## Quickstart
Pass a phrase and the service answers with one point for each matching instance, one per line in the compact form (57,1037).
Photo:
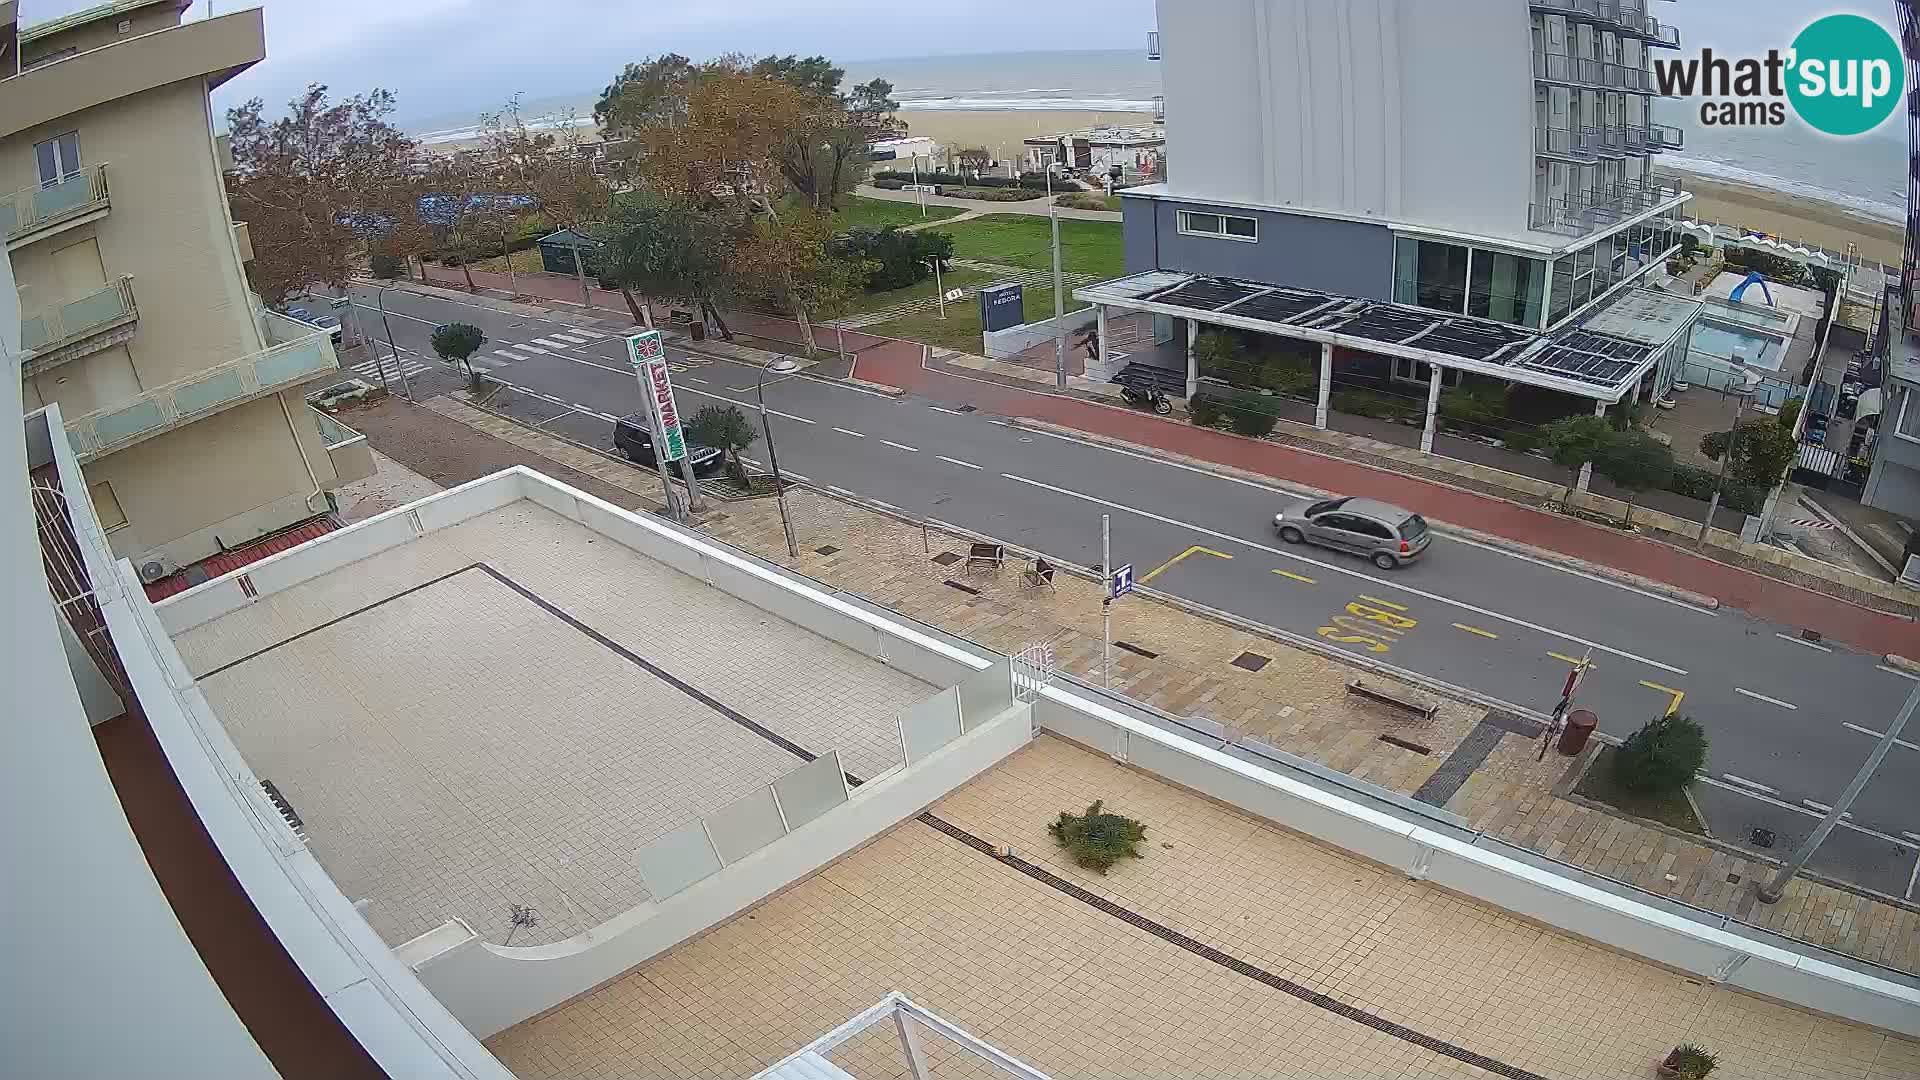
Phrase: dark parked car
(1380,532)
(633,436)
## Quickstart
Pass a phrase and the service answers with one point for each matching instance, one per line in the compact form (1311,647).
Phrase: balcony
(68,331)
(347,449)
(1568,144)
(1589,74)
(1666,137)
(1153,44)
(1159,106)
(1622,16)
(292,361)
(1580,213)
(38,212)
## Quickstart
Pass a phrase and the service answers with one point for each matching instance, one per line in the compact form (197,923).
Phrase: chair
(1041,576)
(985,557)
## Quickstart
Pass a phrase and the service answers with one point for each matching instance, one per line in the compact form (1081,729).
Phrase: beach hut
(556,252)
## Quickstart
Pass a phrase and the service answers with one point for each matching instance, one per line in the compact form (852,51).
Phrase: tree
(793,254)
(551,165)
(674,252)
(974,159)
(1635,462)
(318,185)
(1097,840)
(725,428)
(458,341)
(1761,453)
(653,91)
(898,258)
(1662,757)
(1574,442)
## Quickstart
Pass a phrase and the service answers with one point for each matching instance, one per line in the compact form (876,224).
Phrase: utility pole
(1106,604)
(939,289)
(1726,459)
(580,271)
(1771,892)
(406,387)
(1059,294)
(917,189)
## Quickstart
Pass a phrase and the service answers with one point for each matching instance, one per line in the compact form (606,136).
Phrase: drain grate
(968,408)
(1395,740)
(952,584)
(1135,649)
(946,558)
(826,549)
(1251,661)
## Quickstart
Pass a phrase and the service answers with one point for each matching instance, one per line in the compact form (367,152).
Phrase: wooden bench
(985,557)
(1389,698)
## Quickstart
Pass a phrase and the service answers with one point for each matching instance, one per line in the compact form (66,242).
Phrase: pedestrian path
(1003,274)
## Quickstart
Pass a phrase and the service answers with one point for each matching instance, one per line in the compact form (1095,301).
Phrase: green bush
(1691,1062)
(386,267)
(899,257)
(1372,403)
(1480,408)
(1204,410)
(1253,415)
(1285,375)
(1662,757)
(1097,840)
(890,185)
(1697,483)
(1523,440)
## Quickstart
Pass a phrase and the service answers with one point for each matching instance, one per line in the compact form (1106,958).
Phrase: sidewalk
(976,207)
(1447,499)
(1475,765)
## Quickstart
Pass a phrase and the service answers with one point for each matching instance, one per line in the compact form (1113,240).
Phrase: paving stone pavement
(1297,701)
(1023,275)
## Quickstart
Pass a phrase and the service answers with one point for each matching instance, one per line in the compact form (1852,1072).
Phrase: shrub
(1253,415)
(1697,483)
(1097,840)
(386,267)
(725,428)
(1285,375)
(898,257)
(1477,408)
(1662,757)
(1523,440)
(1083,200)
(1636,462)
(992,194)
(1372,403)
(1690,1062)
(1218,354)
(457,341)
(890,185)
(1204,410)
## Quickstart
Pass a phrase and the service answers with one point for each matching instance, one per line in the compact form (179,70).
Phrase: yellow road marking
(1678,695)
(1383,603)
(1171,563)
(1296,577)
(1475,630)
(1565,659)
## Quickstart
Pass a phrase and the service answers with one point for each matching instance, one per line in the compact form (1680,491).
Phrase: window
(58,158)
(1228,226)
(1562,290)
(1430,274)
(1414,371)
(1510,288)
(105,506)
(1909,413)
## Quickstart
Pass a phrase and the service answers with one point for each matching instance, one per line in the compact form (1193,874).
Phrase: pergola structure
(1603,358)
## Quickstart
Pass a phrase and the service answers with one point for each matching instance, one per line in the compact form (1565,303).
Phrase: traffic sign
(1121,583)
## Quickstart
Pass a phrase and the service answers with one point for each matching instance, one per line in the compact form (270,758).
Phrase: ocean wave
(989,104)
(1720,170)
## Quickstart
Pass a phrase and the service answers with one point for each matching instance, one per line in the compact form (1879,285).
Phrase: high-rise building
(183,393)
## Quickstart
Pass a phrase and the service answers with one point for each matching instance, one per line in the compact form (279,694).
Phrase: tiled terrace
(502,712)
(1342,968)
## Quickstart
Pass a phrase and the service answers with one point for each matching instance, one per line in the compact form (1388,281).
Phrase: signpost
(1119,583)
(648,354)
(1574,678)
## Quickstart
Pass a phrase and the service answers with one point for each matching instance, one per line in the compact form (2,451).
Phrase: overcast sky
(459,56)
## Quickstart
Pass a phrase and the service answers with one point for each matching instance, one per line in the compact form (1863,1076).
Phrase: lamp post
(939,289)
(380,297)
(782,366)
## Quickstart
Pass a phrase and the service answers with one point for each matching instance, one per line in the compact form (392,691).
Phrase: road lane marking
(1897,671)
(608,417)
(691,379)
(1278,488)
(1880,735)
(1765,698)
(1911,844)
(534,349)
(1803,641)
(849,431)
(1826,808)
(508,355)
(901,446)
(957,461)
(1296,577)
(1281,553)
(1744,782)
(836,489)
(949,412)
(552,344)
(1913,878)
(1678,696)
(1475,630)
(1382,603)
(1564,658)
(1175,561)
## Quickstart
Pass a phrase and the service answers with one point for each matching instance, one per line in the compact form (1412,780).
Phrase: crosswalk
(369,370)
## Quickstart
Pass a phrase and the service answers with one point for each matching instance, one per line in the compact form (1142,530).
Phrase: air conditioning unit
(153,570)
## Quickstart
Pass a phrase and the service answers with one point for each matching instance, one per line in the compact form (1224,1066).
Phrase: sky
(460,57)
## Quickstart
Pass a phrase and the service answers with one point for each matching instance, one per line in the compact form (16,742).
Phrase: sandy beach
(1792,217)
(1002,131)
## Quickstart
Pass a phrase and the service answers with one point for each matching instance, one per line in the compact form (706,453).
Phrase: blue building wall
(1350,257)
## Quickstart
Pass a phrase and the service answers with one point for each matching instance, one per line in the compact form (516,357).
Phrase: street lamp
(380,297)
(782,366)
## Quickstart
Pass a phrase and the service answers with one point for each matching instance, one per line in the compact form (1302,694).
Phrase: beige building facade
(184,397)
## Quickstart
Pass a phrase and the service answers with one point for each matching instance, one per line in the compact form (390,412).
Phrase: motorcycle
(1149,396)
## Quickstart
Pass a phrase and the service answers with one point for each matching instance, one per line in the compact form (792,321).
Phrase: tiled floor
(459,749)
(1077,992)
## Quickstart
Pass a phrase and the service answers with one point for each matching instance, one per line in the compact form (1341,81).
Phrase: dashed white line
(957,461)
(508,355)
(609,418)
(1913,878)
(838,490)
(1880,735)
(1754,784)
(1826,808)
(1765,698)
(552,344)
(949,412)
(1912,842)
(1462,605)
(691,379)
(1914,836)
(883,505)
(850,431)
(1803,641)
(999,423)
(901,446)
(533,349)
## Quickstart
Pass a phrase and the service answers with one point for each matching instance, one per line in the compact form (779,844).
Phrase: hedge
(889,185)
(1698,483)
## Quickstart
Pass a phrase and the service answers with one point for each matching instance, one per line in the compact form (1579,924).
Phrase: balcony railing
(1159,106)
(1581,212)
(1153,44)
(204,393)
(1629,16)
(44,331)
(1666,137)
(27,212)
(1594,74)
(1579,144)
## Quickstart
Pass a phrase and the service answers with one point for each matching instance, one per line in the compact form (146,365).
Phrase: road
(1790,720)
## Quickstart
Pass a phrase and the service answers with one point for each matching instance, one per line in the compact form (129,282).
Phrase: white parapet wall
(492,987)
(1014,340)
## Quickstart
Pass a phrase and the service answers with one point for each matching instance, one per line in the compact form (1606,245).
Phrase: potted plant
(1096,839)
(1687,1062)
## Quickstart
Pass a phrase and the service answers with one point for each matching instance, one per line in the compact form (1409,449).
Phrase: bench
(986,556)
(1389,698)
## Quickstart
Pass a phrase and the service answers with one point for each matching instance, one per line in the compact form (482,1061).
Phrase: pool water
(1726,341)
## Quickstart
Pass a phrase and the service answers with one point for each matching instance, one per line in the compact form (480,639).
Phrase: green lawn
(952,279)
(860,212)
(960,330)
(1671,810)
(1086,247)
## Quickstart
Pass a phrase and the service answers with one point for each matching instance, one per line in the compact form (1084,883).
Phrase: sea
(1866,174)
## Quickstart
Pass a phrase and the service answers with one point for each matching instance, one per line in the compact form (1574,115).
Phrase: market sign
(648,355)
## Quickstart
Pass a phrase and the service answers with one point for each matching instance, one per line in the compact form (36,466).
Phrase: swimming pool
(1725,341)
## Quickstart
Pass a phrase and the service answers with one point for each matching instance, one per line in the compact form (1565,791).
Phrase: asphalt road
(1790,721)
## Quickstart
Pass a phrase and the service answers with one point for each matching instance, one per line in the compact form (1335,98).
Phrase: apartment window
(1226,226)
(1414,371)
(1510,288)
(1562,290)
(105,506)
(1909,426)
(1429,274)
(58,158)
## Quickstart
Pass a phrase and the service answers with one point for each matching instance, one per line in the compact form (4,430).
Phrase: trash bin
(698,330)
(1579,728)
